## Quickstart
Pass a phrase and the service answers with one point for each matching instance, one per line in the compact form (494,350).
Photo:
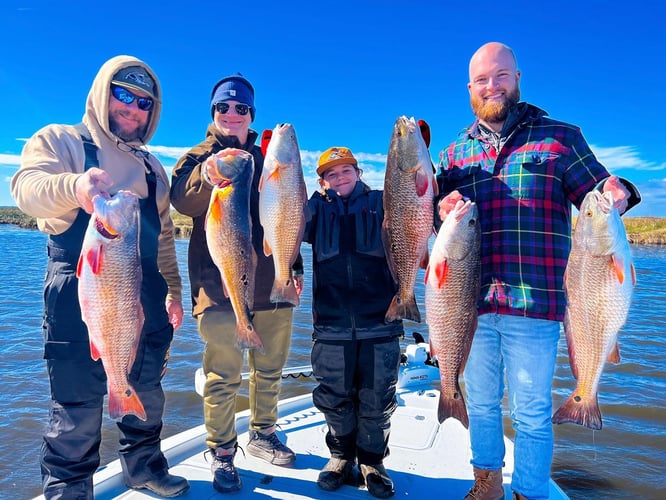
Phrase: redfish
(229,238)
(409,192)
(452,285)
(599,281)
(282,209)
(109,272)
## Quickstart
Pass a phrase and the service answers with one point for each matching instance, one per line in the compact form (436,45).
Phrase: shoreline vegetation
(640,230)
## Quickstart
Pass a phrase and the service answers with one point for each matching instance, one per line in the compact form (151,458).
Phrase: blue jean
(525,350)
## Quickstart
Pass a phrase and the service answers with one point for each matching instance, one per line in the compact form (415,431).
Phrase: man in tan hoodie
(62,168)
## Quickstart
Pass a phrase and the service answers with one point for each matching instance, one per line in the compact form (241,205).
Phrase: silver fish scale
(598,302)
(229,240)
(282,200)
(597,308)
(451,310)
(110,300)
(409,221)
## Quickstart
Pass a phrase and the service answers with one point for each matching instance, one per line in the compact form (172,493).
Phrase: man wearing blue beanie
(232,110)
(233,88)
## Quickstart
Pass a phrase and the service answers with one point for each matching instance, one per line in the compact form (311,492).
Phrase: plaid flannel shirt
(524,194)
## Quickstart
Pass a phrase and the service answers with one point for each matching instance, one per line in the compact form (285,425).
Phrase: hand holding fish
(175,312)
(620,193)
(211,169)
(93,182)
(448,203)
(298,283)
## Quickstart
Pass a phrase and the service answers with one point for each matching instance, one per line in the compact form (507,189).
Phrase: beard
(495,112)
(124,133)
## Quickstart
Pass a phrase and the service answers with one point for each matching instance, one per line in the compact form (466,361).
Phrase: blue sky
(342,72)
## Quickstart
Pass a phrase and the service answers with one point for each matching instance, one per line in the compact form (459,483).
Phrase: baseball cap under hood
(96,116)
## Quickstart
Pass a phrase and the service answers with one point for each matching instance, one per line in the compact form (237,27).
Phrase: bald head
(492,54)
(493,84)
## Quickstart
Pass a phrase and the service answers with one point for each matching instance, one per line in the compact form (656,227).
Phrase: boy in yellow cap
(355,356)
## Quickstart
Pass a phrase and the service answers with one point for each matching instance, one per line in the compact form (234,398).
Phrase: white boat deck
(426,458)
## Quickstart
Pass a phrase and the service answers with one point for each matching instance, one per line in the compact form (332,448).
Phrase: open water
(626,459)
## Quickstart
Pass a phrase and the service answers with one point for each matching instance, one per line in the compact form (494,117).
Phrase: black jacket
(190,195)
(352,286)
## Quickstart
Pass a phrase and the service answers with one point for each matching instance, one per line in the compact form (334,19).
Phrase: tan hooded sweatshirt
(53,159)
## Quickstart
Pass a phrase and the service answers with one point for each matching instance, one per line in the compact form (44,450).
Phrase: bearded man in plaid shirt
(524,171)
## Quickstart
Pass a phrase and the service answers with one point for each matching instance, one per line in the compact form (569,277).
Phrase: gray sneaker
(225,475)
(269,448)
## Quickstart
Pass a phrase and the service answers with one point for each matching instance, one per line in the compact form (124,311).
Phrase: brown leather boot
(487,485)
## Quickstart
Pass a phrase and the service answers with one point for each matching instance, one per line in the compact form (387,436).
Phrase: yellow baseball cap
(335,156)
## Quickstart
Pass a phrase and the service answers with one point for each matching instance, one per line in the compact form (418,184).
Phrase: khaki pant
(222,364)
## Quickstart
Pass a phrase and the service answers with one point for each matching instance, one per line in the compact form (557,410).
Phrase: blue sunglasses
(127,97)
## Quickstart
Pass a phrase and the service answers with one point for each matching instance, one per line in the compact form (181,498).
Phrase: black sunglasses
(127,97)
(223,107)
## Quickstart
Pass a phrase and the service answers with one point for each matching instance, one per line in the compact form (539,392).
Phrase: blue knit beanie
(233,88)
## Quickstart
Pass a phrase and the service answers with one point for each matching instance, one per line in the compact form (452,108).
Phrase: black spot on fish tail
(452,407)
(581,411)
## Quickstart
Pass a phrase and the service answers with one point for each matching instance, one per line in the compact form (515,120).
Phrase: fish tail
(452,407)
(579,410)
(400,309)
(285,292)
(248,338)
(126,403)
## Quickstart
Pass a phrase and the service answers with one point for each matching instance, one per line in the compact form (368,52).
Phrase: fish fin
(403,310)
(225,290)
(425,132)
(215,209)
(126,403)
(386,240)
(248,338)
(285,292)
(579,410)
(452,406)
(441,272)
(265,139)
(135,344)
(94,352)
(425,258)
(94,257)
(435,186)
(570,345)
(267,248)
(617,263)
(463,362)
(266,176)
(614,355)
(633,274)
(422,181)
(79,266)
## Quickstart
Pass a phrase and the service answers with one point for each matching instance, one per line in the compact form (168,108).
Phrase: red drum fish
(409,193)
(109,272)
(452,285)
(229,238)
(599,281)
(282,207)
